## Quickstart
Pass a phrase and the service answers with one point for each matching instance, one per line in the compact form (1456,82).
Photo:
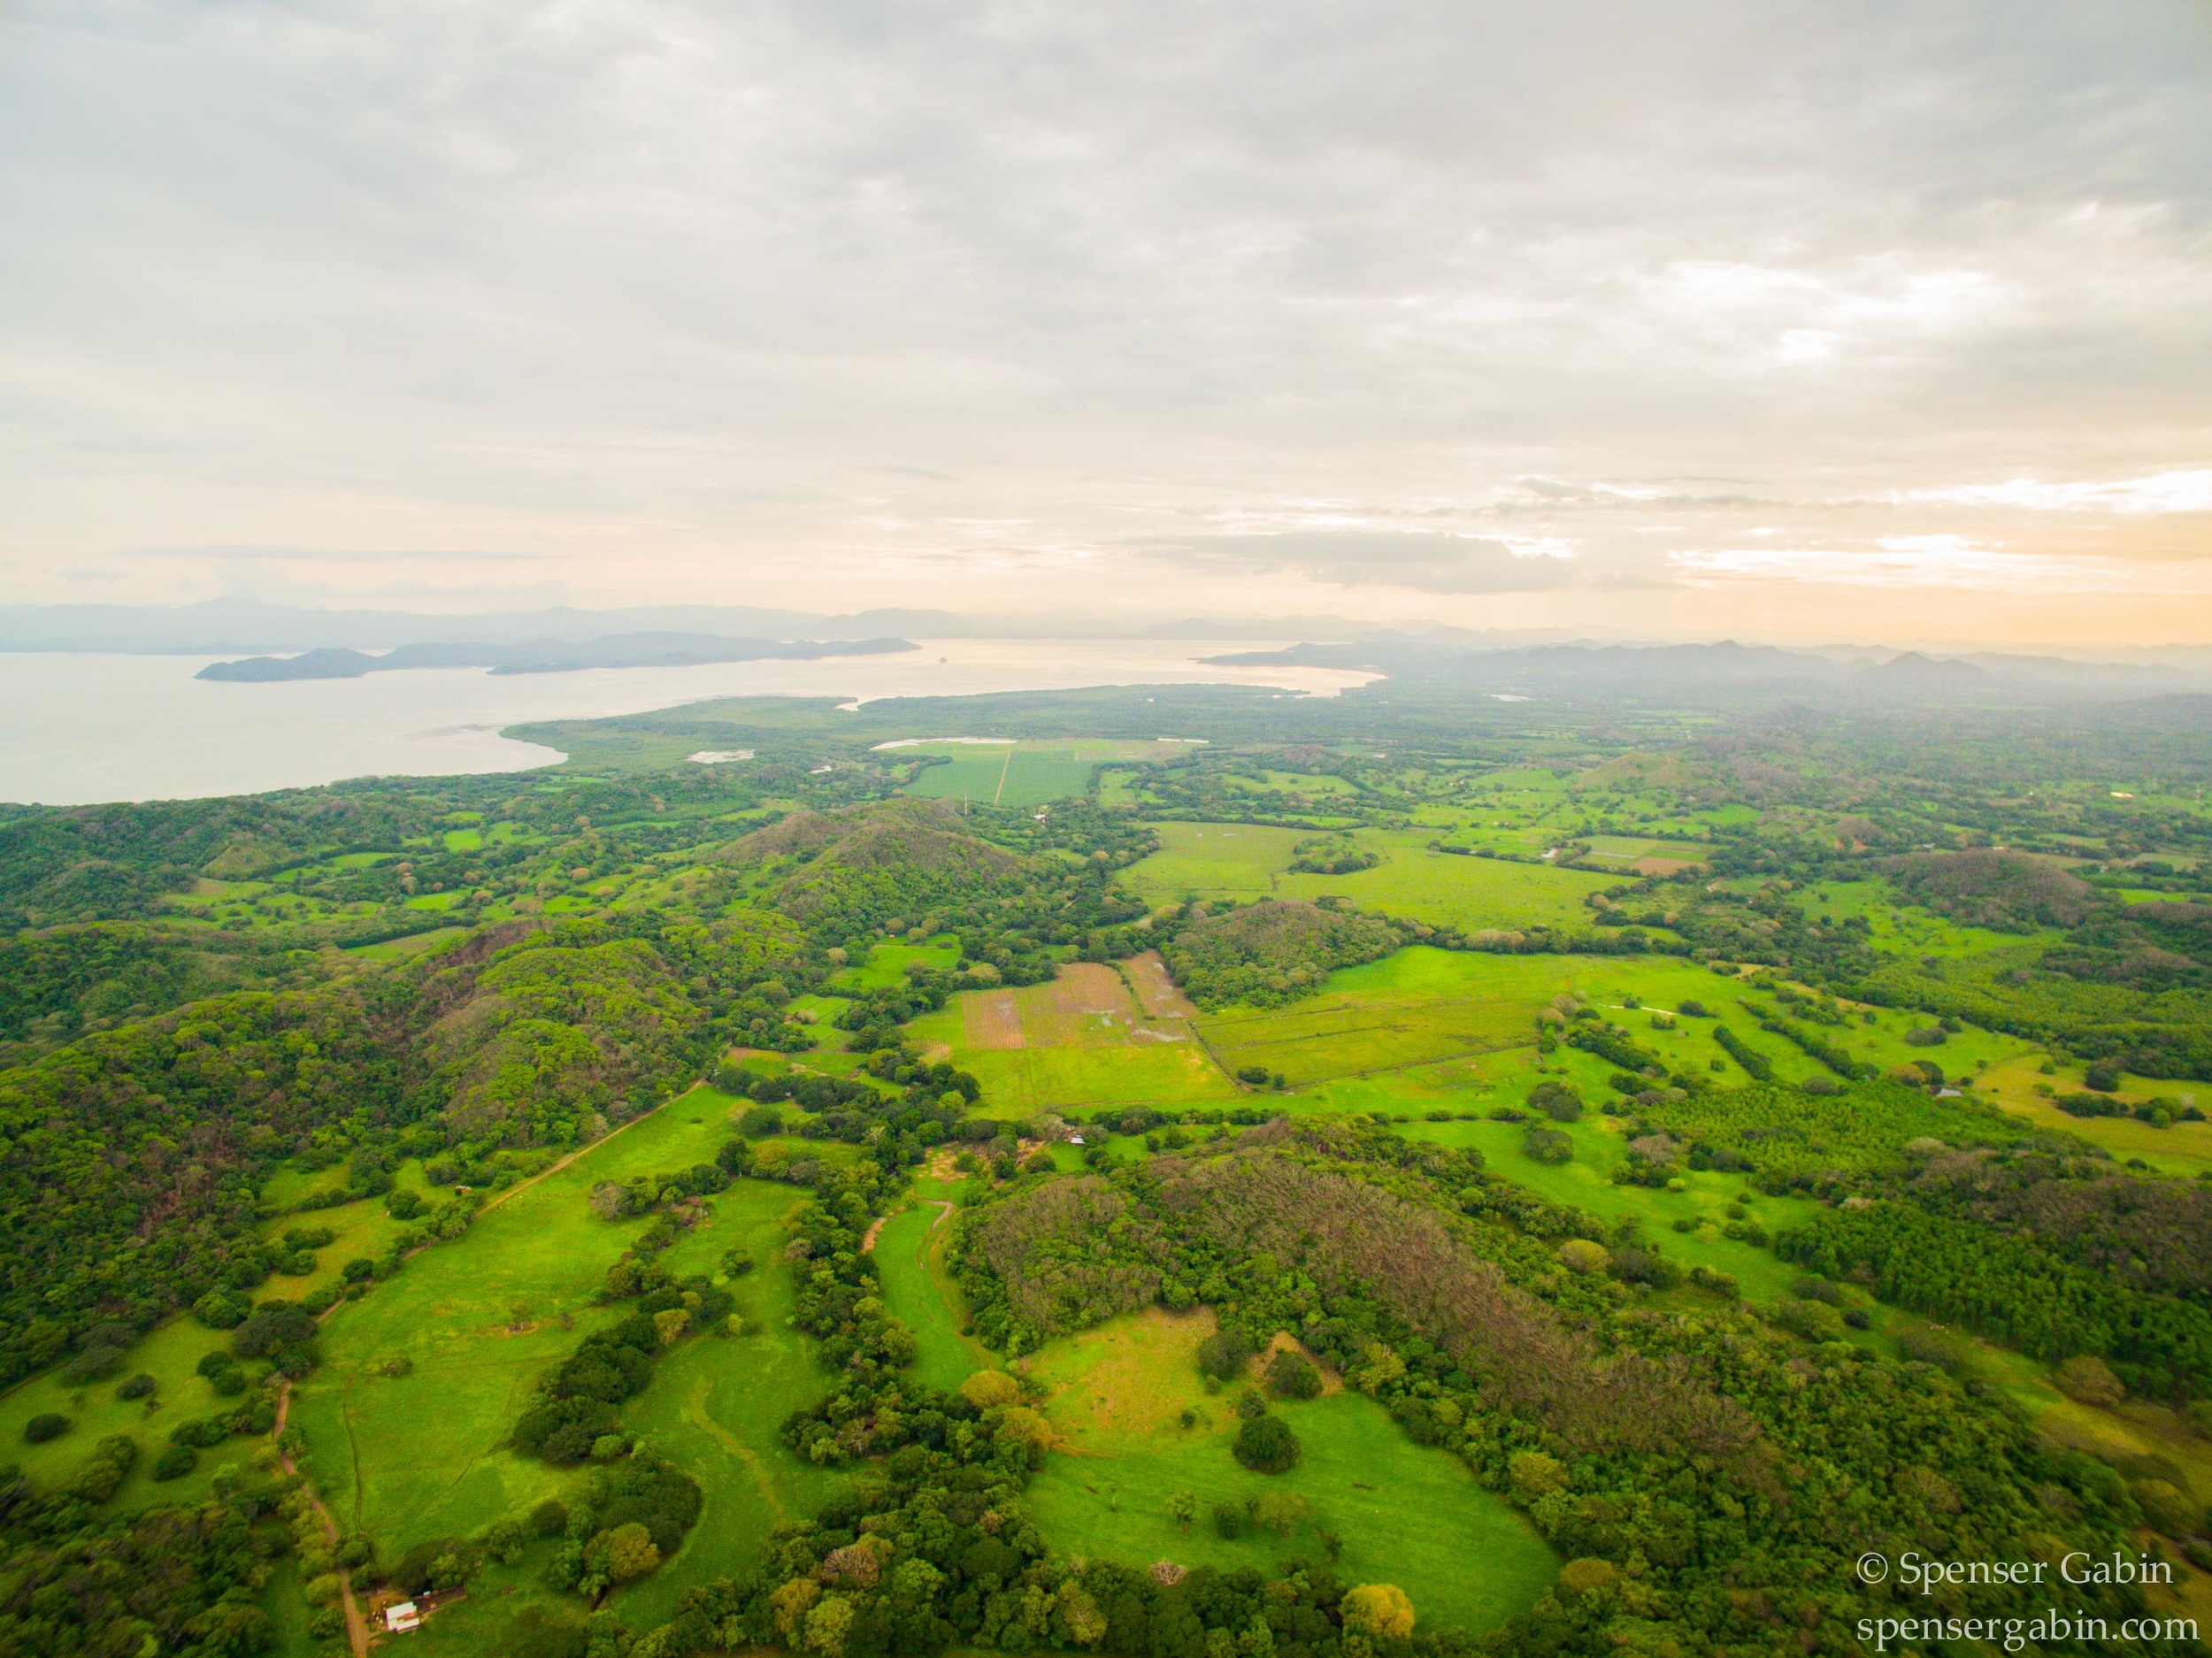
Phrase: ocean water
(80,728)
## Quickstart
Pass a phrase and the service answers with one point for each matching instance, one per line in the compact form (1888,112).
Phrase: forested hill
(134,1155)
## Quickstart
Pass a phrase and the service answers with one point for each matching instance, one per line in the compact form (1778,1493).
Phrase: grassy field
(1445,890)
(1246,861)
(1403,1514)
(1901,928)
(421,1454)
(910,1257)
(1082,1041)
(2185,1149)
(1030,773)
(168,1354)
(1210,860)
(716,1405)
(1413,1008)
(887,963)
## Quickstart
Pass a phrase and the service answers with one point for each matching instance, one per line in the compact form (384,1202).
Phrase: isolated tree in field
(1266,1445)
(1562,1101)
(1291,1375)
(1380,1611)
(1547,1144)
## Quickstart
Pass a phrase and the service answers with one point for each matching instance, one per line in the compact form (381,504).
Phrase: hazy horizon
(1786,324)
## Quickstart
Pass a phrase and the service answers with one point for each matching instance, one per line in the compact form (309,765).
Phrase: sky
(1776,320)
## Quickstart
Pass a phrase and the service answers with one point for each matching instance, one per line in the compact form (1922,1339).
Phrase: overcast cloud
(1710,317)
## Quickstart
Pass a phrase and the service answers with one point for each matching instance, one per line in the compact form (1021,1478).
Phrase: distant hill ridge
(1722,670)
(544,655)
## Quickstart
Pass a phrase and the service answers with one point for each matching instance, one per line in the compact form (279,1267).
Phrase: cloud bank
(1004,306)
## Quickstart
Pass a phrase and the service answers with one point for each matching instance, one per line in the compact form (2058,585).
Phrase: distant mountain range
(221,625)
(544,655)
(293,642)
(1726,670)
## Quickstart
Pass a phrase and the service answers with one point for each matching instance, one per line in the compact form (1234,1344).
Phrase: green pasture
(1445,890)
(716,1404)
(1897,927)
(1084,1044)
(974,773)
(1415,1006)
(1625,850)
(1212,860)
(886,966)
(1030,773)
(168,1354)
(2185,1148)
(363,1231)
(1020,1081)
(471,1323)
(1403,1514)
(909,1261)
(501,1603)
(1246,861)
(413,944)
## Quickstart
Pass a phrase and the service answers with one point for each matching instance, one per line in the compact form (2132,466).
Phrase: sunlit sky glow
(1788,321)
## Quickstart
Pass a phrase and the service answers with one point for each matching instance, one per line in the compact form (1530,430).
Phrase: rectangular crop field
(1031,772)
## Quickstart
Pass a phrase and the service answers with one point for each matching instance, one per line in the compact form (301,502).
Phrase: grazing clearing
(1211,860)
(911,1261)
(1400,1513)
(1443,889)
(1246,861)
(1415,1006)
(471,1323)
(169,1354)
(1081,1039)
(886,964)
(1031,772)
(1586,1183)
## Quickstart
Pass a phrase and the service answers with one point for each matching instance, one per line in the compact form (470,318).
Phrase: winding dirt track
(357,1626)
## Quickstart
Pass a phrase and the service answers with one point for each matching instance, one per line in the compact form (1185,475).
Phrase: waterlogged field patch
(1398,1513)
